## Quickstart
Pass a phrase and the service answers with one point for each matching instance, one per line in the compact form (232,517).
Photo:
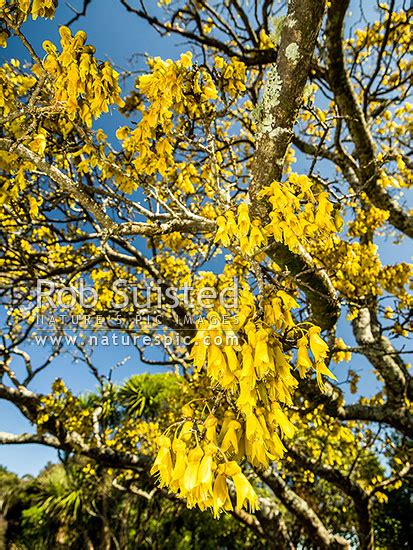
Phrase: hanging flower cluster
(19,11)
(14,85)
(367,220)
(232,75)
(38,8)
(85,87)
(248,359)
(198,474)
(298,215)
(171,88)
(245,360)
(248,235)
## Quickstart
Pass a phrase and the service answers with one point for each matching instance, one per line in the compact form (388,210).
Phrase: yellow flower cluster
(13,85)
(334,443)
(39,142)
(39,8)
(12,179)
(171,88)
(19,11)
(357,269)
(170,93)
(232,75)
(85,87)
(174,269)
(298,215)
(393,278)
(175,242)
(398,280)
(341,351)
(367,220)
(243,356)
(397,180)
(61,403)
(373,34)
(248,235)
(357,272)
(266,42)
(132,433)
(196,475)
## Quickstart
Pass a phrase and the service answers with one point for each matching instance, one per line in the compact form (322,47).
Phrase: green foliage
(393,520)
(65,508)
(148,394)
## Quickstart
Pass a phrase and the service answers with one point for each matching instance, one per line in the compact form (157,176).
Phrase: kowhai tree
(274,151)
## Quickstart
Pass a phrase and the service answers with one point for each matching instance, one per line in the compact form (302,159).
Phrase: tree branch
(349,107)
(7,438)
(281,101)
(349,487)
(382,355)
(196,223)
(304,513)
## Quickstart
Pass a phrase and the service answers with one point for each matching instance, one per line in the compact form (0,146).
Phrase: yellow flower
(247,397)
(210,92)
(205,473)
(256,238)
(317,345)
(285,424)
(231,358)
(211,428)
(181,462)
(186,60)
(188,411)
(244,489)
(190,480)
(122,133)
(163,463)
(321,368)
(231,436)
(221,495)
(253,428)
(39,142)
(243,219)
(303,361)
(219,62)
(222,232)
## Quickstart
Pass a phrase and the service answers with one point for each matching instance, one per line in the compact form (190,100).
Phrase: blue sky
(117,36)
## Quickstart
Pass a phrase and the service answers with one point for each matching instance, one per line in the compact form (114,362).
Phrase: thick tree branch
(281,101)
(271,521)
(350,108)
(304,513)
(349,487)
(333,401)
(25,438)
(23,398)
(313,281)
(382,355)
(397,418)
(283,91)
